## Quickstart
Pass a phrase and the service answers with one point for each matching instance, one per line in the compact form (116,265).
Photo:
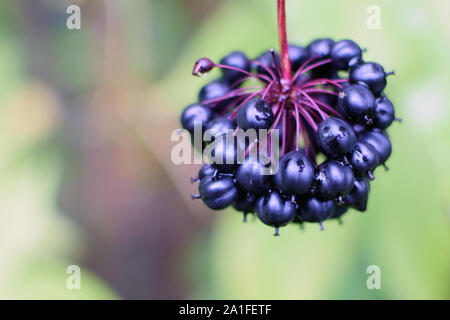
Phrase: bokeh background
(86,176)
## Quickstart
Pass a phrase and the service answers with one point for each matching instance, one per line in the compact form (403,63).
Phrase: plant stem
(285,62)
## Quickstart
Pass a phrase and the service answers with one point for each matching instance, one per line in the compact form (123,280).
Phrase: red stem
(285,62)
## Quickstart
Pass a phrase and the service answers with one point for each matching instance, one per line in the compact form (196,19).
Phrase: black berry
(274,210)
(335,137)
(255,114)
(295,173)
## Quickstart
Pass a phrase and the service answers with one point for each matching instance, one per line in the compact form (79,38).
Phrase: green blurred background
(86,177)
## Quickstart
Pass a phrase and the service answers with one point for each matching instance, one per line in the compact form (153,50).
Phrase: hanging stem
(285,62)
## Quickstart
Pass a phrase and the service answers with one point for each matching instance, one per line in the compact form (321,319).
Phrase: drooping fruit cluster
(323,98)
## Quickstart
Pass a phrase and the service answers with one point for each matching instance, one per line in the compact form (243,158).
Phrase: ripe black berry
(212,91)
(357,103)
(321,48)
(245,202)
(339,211)
(345,53)
(275,211)
(218,193)
(316,210)
(379,142)
(364,158)
(370,73)
(295,173)
(298,56)
(236,59)
(219,126)
(384,113)
(226,153)
(265,61)
(255,114)
(335,137)
(251,176)
(195,113)
(334,179)
(358,196)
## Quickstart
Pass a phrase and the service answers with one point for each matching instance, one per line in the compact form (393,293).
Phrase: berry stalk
(282,34)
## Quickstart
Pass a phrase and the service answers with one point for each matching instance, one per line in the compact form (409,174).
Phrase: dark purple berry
(335,137)
(298,56)
(370,73)
(295,173)
(364,158)
(225,153)
(321,48)
(220,126)
(273,210)
(255,114)
(356,102)
(236,59)
(218,193)
(316,210)
(213,90)
(253,176)
(334,179)
(358,196)
(339,211)
(265,60)
(380,142)
(245,202)
(206,170)
(384,113)
(193,114)
(345,53)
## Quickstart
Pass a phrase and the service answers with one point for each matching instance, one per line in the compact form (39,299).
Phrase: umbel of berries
(320,98)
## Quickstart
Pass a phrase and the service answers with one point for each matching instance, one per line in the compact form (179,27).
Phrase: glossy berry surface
(251,176)
(335,137)
(226,153)
(218,193)
(316,210)
(334,179)
(321,48)
(384,113)
(209,94)
(356,102)
(220,126)
(274,210)
(255,114)
(327,106)
(358,196)
(380,142)
(195,114)
(345,54)
(295,174)
(245,202)
(236,59)
(372,74)
(298,56)
(364,158)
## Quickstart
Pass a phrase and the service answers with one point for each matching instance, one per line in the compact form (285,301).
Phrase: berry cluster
(323,98)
